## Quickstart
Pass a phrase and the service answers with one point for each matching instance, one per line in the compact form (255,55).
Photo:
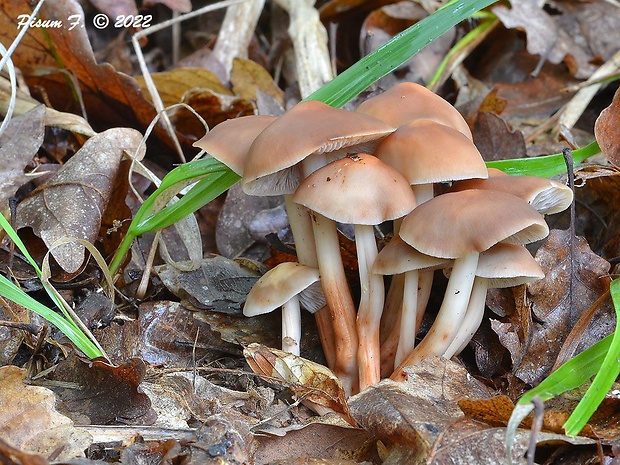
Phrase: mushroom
(425,152)
(289,285)
(398,257)
(363,191)
(503,265)
(545,195)
(409,101)
(459,226)
(288,150)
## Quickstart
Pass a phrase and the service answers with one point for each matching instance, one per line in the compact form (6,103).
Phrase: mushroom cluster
(384,162)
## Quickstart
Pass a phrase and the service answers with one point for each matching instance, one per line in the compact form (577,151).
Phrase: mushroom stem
(473,317)
(339,300)
(408,317)
(370,307)
(291,326)
(450,315)
(301,228)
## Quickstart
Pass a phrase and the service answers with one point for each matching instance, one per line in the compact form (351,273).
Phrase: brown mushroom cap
(461,223)
(408,101)
(545,195)
(279,285)
(358,189)
(425,151)
(309,127)
(230,140)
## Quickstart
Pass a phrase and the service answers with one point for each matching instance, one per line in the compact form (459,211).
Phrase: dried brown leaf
(172,85)
(111,99)
(466,441)
(212,106)
(411,415)
(105,393)
(248,77)
(332,443)
(18,146)
(182,6)
(72,203)
(30,421)
(496,140)
(545,35)
(219,285)
(309,380)
(606,130)
(535,340)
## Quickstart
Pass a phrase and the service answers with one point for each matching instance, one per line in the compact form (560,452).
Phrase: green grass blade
(394,53)
(199,195)
(543,166)
(10,291)
(607,374)
(572,374)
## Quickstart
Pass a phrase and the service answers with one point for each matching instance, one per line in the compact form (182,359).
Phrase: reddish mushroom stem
(339,301)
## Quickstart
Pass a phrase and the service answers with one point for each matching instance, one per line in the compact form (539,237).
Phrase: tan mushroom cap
(425,151)
(507,265)
(545,195)
(357,189)
(230,140)
(279,285)
(399,257)
(309,127)
(457,224)
(409,101)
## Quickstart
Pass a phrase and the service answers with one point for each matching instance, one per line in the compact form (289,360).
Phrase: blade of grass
(606,375)
(543,166)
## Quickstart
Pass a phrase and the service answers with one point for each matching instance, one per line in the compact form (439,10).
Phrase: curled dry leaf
(310,381)
(30,422)
(72,203)
(606,130)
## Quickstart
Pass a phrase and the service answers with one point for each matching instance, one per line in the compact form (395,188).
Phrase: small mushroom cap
(399,257)
(409,101)
(461,223)
(425,151)
(279,285)
(507,265)
(309,127)
(545,195)
(230,140)
(358,189)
